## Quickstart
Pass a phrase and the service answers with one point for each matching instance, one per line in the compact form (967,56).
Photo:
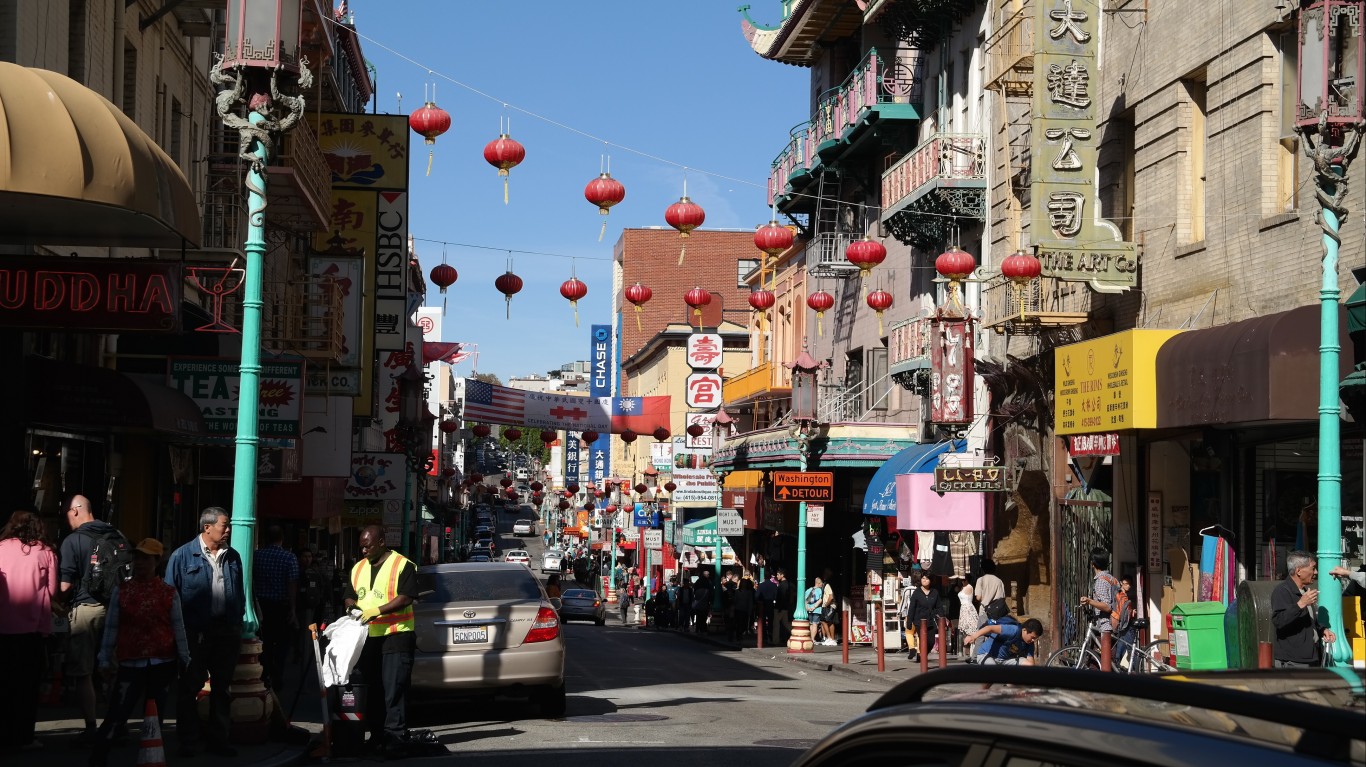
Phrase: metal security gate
(1086,524)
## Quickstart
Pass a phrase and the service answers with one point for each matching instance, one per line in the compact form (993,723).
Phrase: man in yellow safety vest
(383,586)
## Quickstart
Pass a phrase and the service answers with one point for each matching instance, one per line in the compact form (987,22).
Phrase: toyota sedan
(487,628)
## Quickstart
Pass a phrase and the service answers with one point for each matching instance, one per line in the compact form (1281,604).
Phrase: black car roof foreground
(1327,731)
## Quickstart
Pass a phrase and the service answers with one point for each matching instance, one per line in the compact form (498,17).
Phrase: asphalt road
(654,698)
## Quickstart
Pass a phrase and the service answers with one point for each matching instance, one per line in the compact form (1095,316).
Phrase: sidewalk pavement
(863,660)
(59,728)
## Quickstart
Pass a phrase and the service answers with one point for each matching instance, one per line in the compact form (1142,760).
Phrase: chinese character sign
(951,372)
(571,458)
(703,390)
(1074,242)
(704,351)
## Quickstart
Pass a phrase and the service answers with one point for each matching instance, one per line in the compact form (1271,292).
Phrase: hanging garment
(924,545)
(941,563)
(962,544)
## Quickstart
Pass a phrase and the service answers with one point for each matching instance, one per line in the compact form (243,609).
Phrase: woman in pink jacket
(28,581)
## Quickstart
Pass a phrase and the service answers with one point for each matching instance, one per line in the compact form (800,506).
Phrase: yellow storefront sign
(1107,383)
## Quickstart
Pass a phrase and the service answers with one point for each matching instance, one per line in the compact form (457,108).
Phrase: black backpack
(111,563)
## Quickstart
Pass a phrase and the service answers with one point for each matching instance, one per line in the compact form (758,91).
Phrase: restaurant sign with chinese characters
(1073,241)
(969,479)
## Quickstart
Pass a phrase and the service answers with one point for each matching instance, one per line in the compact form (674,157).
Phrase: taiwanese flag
(641,415)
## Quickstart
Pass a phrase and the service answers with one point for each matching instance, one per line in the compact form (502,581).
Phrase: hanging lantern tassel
(431,153)
(601,233)
(506,176)
(575,304)
(879,323)
(819,317)
(604,226)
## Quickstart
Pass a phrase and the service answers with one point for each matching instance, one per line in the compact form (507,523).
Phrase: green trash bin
(1198,635)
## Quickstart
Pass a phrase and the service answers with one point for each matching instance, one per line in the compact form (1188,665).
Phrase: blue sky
(675,82)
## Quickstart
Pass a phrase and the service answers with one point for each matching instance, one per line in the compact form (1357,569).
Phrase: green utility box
(1198,635)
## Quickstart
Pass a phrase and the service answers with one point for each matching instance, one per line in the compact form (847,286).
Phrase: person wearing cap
(144,644)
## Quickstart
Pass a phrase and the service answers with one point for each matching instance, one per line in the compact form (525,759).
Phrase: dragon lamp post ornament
(260,126)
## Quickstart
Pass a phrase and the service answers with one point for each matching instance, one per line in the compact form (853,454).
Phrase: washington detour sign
(813,486)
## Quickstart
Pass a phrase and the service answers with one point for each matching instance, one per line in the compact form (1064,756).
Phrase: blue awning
(880,498)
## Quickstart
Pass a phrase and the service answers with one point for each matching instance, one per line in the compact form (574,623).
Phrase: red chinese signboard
(95,294)
(951,372)
(1106,443)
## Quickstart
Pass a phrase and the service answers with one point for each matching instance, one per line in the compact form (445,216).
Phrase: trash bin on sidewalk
(1198,635)
(346,705)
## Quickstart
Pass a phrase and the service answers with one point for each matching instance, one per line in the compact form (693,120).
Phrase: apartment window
(177,132)
(130,81)
(1287,149)
(1196,156)
(878,390)
(75,40)
(747,265)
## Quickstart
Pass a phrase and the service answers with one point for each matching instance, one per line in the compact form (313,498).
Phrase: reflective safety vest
(383,591)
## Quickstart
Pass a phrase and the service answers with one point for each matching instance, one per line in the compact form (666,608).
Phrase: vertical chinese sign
(368,157)
(1074,242)
(571,458)
(951,371)
(600,385)
(703,388)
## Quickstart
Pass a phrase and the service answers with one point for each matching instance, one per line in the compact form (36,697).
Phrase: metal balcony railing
(945,157)
(908,342)
(1044,303)
(871,83)
(825,255)
(1010,54)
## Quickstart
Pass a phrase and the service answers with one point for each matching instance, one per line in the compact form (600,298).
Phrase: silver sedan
(488,627)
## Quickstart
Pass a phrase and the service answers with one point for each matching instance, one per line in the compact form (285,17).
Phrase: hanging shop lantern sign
(951,371)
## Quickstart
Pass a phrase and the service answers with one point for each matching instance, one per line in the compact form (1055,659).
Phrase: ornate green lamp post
(1329,117)
(261,53)
(805,427)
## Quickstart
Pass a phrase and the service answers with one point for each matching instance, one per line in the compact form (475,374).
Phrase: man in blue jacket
(207,574)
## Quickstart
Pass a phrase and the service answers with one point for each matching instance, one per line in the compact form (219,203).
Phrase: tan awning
(74,170)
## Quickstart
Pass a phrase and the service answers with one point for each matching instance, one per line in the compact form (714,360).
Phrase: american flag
(494,404)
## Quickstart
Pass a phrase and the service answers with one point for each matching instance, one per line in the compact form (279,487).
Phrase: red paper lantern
(511,492)
(597,493)
(611,508)
(589,436)
(696,430)
(638,294)
(563,505)
(865,254)
(573,289)
(955,264)
(509,285)
(476,477)
(628,436)
(761,299)
(572,488)
(773,238)
(448,472)
(879,301)
(505,482)
(821,302)
(504,153)
(448,426)
(641,487)
(660,434)
(685,216)
(604,192)
(1021,268)
(589,506)
(697,298)
(548,436)
(429,122)
(444,276)
(481,430)
(513,434)
(537,487)
(669,486)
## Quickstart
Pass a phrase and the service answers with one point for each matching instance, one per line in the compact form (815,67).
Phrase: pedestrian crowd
(106,619)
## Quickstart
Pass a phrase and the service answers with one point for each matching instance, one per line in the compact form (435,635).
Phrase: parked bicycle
(1150,658)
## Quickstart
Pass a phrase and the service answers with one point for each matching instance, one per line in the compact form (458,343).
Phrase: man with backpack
(95,558)
(1107,612)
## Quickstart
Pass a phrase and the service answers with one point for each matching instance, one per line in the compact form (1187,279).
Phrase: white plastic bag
(345,639)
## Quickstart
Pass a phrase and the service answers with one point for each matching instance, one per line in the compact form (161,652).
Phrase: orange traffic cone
(151,753)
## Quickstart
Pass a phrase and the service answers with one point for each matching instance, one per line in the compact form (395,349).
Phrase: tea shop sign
(94,294)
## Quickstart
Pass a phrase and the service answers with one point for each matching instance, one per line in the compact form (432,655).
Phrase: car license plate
(468,635)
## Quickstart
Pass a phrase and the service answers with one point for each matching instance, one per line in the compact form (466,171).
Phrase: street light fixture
(262,44)
(1329,116)
(805,427)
